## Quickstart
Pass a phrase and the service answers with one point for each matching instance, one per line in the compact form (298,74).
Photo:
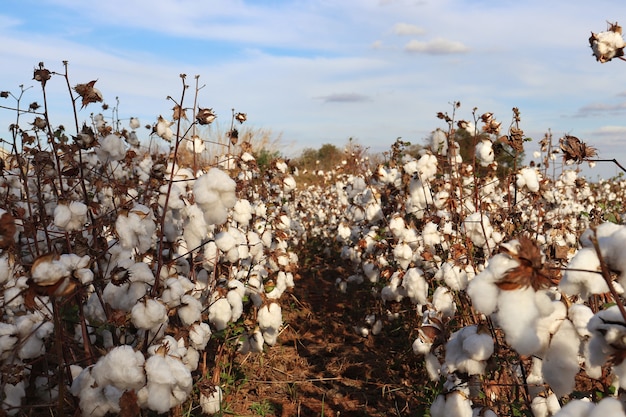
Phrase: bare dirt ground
(321,367)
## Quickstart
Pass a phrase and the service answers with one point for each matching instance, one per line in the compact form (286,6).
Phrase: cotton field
(131,275)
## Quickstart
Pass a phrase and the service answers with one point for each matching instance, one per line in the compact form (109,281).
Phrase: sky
(323,71)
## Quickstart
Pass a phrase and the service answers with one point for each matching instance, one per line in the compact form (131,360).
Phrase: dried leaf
(88,92)
(179,113)
(574,150)
(128,404)
(529,272)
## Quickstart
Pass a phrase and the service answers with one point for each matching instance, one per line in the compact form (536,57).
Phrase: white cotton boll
(608,406)
(270,320)
(478,228)
(578,278)
(196,144)
(517,315)
(416,286)
(236,304)
(169,382)
(12,399)
(403,254)
(427,166)
(289,184)
(242,212)
(484,152)
(453,275)
(580,315)
(252,343)
(220,313)
(370,271)
(125,296)
(199,335)
(190,310)
(8,339)
(576,408)
(136,228)
(112,148)
(430,235)
(148,314)
(528,177)
(439,142)
(214,193)
(191,358)
(443,301)
(397,226)
(211,401)
(602,231)
(122,367)
(607,45)
(393,291)
(560,364)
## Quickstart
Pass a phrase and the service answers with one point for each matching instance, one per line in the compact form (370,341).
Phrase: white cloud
(407,29)
(437,46)
(611,131)
(344,98)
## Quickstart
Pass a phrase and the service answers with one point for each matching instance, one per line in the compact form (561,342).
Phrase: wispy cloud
(407,29)
(344,98)
(437,46)
(594,109)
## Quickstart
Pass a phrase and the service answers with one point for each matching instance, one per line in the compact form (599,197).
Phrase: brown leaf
(529,272)
(179,113)
(89,93)
(7,230)
(128,404)
(575,150)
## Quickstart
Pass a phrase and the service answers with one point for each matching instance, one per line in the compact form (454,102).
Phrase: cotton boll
(403,254)
(148,314)
(430,235)
(576,408)
(427,166)
(211,401)
(122,367)
(517,315)
(484,152)
(578,278)
(112,148)
(190,310)
(608,407)
(580,314)
(415,285)
(13,395)
(236,304)
(123,297)
(270,320)
(560,364)
(242,212)
(530,178)
(214,193)
(453,275)
(393,291)
(443,301)
(199,335)
(8,340)
(220,313)
(439,142)
(252,342)
(136,228)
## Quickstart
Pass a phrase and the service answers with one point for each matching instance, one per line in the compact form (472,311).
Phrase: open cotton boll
(427,166)
(483,290)
(608,406)
(148,314)
(576,408)
(95,400)
(580,314)
(270,320)
(478,228)
(403,254)
(578,278)
(393,291)
(242,212)
(13,395)
(415,286)
(211,401)
(220,313)
(453,275)
(430,235)
(236,304)
(70,217)
(252,342)
(199,335)
(607,45)
(517,315)
(454,404)
(122,367)
(112,148)
(484,152)
(125,296)
(214,193)
(468,349)
(169,383)
(136,228)
(189,310)
(8,339)
(560,364)
(530,178)
(443,302)
(32,331)
(439,142)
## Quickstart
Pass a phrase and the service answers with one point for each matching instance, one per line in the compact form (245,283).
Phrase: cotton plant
(608,44)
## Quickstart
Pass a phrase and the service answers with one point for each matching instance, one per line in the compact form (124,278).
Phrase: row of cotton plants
(121,265)
(492,265)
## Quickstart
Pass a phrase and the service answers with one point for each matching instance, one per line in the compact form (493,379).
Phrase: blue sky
(322,71)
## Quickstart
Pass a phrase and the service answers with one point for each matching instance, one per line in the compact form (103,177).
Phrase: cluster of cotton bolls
(419,234)
(153,257)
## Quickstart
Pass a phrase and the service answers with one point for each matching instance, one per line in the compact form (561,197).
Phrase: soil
(322,367)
